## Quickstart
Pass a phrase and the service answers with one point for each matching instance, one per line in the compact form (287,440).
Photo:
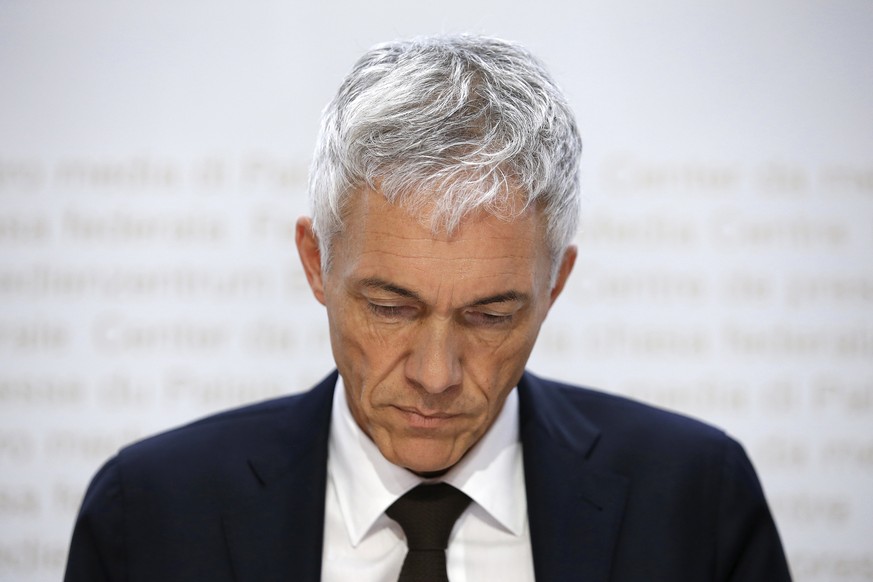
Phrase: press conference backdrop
(153,161)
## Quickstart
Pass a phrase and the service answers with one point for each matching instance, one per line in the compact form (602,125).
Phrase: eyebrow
(505,297)
(383,285)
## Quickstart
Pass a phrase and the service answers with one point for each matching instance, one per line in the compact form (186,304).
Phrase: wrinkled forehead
(483,256)
(438,215)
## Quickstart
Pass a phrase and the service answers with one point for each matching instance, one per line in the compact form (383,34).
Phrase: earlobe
(564,270)
(310,256)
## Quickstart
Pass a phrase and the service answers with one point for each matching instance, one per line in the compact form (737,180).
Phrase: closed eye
(486,319)
(392,311)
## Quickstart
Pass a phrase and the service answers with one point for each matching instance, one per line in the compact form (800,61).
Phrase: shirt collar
(366,483)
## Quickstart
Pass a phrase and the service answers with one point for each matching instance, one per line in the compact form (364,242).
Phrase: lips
(434,414)
(421,419)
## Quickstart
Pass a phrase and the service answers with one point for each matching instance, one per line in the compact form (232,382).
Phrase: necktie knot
(427,515)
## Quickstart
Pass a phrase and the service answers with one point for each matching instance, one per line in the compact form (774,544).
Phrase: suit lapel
(574,510)
(277,534)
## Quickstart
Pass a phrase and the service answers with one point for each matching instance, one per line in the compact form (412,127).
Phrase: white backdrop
(153,159)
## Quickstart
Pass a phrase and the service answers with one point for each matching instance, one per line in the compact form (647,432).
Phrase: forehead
(386,241)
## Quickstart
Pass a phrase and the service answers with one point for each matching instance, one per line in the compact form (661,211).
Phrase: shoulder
(614,413)
(250,421)
(211,449)
(626,435)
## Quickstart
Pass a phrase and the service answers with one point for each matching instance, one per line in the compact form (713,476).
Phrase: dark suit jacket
(616,491)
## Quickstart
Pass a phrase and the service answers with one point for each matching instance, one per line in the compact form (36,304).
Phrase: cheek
(497,365)
(365,353)
(355,325)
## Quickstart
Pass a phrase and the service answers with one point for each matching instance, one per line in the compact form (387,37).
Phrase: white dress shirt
(491,539)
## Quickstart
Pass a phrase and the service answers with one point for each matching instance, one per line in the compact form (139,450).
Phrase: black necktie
(427,515)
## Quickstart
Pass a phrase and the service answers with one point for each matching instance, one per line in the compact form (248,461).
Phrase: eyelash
(490,319)
(479,318)
(389,311)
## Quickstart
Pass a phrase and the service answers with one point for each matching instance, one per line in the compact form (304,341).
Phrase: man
(445,198)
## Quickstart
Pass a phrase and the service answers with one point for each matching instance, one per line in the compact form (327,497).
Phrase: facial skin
(431,333)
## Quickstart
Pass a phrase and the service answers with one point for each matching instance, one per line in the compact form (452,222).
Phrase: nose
(434,360)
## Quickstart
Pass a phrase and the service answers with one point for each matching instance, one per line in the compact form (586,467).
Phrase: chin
(425,469)
(423,463)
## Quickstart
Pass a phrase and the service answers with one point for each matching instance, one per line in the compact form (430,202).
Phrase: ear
(310,256)
(567,262)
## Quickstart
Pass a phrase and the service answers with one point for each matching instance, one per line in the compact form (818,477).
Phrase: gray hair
(450,124)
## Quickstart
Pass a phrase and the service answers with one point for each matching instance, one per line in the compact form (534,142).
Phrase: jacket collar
(574,509)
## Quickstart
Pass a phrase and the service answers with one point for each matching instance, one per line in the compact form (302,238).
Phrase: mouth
(421,419)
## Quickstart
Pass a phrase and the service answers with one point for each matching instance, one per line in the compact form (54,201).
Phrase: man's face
(431,333)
